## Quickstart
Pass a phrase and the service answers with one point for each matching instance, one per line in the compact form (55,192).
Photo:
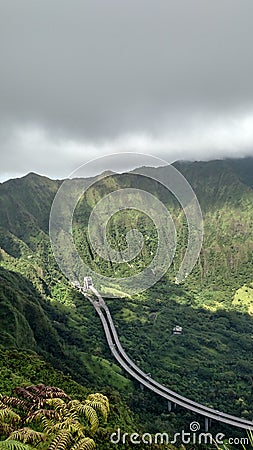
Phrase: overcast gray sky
(80,78)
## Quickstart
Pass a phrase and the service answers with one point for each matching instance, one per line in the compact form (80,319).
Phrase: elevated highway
(130,367)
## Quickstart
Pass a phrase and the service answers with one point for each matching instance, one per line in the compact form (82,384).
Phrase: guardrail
(130,367)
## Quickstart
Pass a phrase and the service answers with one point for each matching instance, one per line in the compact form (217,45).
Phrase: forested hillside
(40,312)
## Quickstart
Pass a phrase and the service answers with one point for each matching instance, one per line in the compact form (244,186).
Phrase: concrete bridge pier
(207,424)
(171,405)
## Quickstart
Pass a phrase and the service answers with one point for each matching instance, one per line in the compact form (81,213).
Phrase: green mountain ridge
(211,362)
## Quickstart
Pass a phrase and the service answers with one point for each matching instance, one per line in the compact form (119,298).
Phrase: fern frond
(6,428)
(13,401)
(71,409)
(100,398)
(70,425)
(57,403)
(99,402)
(13,445)
(73,404)
(68,414)
(40,413)
(24,393)
(43,391)
(250,437)
(7,414)
(90,415)
(27,435)
(84,444)
(98,406)
(47,424)
(61,441)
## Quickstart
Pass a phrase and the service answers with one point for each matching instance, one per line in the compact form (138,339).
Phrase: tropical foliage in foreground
(46,417)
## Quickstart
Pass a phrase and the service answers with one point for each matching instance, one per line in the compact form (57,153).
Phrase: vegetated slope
(226,201)
(26,368)
(215,349)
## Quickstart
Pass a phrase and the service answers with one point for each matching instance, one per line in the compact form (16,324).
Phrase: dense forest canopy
(44,317)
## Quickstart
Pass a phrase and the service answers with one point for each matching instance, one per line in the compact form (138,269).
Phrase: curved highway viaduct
(130,367)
